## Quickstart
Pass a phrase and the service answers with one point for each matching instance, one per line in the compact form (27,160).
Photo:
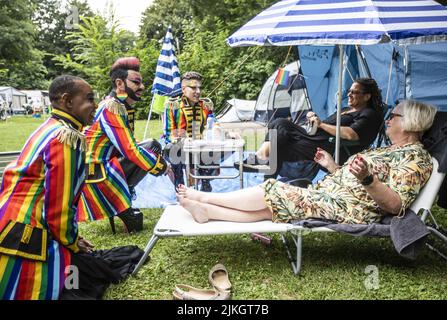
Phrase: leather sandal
(186,292)
(218,278)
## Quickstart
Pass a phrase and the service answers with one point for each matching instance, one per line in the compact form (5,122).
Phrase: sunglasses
(355,92)
(392,115)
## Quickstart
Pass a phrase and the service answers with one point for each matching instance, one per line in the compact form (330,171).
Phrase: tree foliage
(36,45)
(94,48)
(21,63)
(202,27)
(53,22)
(16,30)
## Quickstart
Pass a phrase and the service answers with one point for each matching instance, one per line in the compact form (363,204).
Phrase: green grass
(333,264)
(17,129)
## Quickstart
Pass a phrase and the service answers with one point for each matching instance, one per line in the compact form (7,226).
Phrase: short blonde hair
(417,116)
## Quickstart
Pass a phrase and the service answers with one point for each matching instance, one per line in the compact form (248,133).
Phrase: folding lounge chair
(176,221)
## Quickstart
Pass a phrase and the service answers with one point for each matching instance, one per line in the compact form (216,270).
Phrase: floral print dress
(340,196)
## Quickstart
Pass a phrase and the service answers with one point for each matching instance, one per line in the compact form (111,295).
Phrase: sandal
(218,278)
(185,292)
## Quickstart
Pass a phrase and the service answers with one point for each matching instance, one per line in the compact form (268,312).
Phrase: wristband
(367,180)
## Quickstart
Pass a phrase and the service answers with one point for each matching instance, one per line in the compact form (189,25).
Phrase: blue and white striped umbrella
(167,74)
(320,22)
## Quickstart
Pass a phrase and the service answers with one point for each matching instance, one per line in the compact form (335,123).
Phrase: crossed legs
(245,205)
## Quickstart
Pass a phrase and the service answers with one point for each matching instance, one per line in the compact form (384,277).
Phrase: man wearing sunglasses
(116,163)
(186,117)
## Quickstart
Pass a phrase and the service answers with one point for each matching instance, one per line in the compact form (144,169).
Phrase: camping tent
(14,98)
(38,99)
(424,78)
(274,100)
(237,110)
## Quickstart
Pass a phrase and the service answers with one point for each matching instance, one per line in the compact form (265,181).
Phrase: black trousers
(292,143)
(134,174)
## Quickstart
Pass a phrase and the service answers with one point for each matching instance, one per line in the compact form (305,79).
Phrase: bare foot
(196,209)
(191,193)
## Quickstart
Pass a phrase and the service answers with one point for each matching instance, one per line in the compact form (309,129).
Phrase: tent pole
(149,116)
(340,88)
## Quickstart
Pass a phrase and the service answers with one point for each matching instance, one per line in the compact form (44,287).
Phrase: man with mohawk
(116,163)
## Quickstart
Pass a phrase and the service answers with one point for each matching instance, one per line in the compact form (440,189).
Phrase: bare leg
(249,199)
(202,212)
(264,151)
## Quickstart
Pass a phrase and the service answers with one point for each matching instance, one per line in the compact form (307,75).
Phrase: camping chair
(176,221)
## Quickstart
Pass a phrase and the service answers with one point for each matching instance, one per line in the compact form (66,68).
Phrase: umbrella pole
(149,116)
(340,88)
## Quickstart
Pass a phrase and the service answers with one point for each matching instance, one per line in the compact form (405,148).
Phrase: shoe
(261,238)
(310,127)
(132,219)
(206,186)
(218,278)
(185,292)
(253,164)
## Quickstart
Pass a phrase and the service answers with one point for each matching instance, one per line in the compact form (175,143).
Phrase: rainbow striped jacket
(106,192)
(38,199)
(184,120)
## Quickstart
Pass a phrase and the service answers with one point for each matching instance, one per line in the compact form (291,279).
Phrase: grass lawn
(333,265)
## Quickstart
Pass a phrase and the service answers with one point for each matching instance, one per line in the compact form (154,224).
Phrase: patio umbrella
(344,22)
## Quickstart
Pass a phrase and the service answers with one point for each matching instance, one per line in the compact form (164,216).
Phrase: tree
(94,48)
(16,30)
(228,72)
(20,63)
(30,74)
(202,27)
(54,21)
(162,13)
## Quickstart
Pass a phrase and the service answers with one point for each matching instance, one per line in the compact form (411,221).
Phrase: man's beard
(132,94)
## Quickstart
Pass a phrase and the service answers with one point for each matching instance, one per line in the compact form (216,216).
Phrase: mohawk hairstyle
(121,66)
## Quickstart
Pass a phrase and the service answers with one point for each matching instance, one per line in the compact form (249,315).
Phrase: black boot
(132,219)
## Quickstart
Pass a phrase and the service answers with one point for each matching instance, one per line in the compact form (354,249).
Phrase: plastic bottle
(209,127)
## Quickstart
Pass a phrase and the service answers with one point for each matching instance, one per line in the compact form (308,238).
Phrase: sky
(128,12)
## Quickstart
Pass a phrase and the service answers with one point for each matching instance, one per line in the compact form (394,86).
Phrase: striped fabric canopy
(167,74)
(295,22)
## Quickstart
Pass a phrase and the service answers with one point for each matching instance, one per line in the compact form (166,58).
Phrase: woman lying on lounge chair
(369,185)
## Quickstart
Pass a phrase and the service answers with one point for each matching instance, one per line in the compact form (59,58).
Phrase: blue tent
(423,77)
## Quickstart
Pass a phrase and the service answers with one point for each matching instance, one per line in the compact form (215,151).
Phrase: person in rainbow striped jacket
(116,163)
(38,198)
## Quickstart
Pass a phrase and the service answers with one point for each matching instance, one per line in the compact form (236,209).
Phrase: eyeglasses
(193,88)
(355,92)
(392,115)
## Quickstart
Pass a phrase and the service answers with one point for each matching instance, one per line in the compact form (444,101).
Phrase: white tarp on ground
(158,192)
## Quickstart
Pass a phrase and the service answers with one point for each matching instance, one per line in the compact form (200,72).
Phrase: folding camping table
(199,155)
